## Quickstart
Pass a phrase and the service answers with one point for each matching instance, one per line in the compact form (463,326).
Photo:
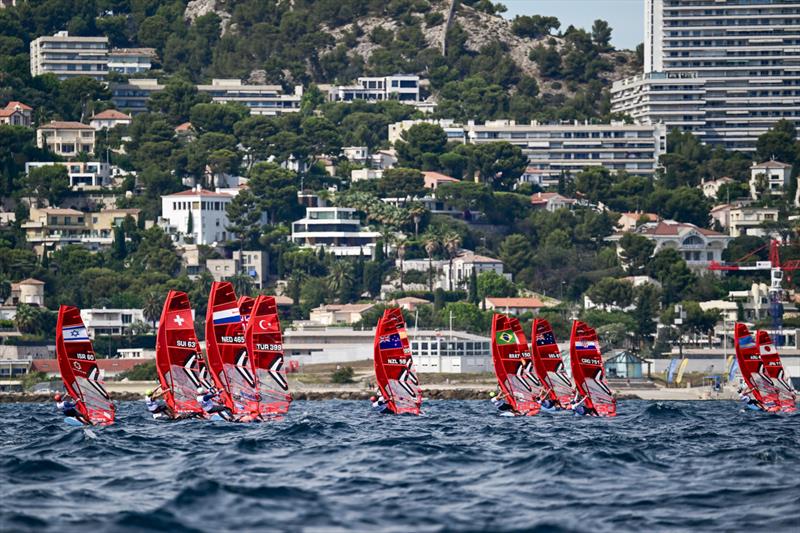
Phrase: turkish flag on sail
(179,319)
(266,324)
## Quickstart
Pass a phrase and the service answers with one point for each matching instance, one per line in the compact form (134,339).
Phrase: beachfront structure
(259,99)
(206,209)
(108,119)
(726,70)
(770,177)
(66,139)
(111,321)
(69,56)
(336,229)
(131,60)
(16,114)
(698,246)
(561,149)
(450,352)
(401,87)
(132,95)
(52,228)
(83,175)
(748,220)
(252,263)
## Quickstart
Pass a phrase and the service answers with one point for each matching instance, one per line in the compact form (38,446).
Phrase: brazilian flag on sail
(505,337)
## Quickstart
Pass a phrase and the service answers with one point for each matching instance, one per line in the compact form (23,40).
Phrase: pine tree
(120,251)
(473,288)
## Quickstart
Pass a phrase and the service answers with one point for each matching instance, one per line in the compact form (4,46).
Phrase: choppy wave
(336,466)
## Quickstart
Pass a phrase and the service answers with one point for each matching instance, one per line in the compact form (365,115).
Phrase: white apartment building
(771,177)
(83,175)
(749,221)
(66,139)
(337,229)
(111,321)
(132,96)
(131,60)
(250,262)
(726,70)
(207,210)
(698,246)
(108,119)
(556,149)
(69,56)
(259,99)
(402,87)
(465,264)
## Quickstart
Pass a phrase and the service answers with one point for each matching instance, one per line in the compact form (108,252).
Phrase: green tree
(401,183)
(343,375)
(535,26)
(669,268)
(153,305)
(610,292)
(647,301)
(275,190)
(215,117)
(490,283)
(516,253)
(780,142)
(601,35)
(421,145)
(177,100)
(28,319)
(636,253)
(48,184)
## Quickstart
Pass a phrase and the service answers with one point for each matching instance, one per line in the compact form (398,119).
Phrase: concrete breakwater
(331,394)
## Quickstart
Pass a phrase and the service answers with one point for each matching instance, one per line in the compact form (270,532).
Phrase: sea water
(334,465)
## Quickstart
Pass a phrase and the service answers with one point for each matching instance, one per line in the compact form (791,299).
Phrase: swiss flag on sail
(181,319)
(265,324)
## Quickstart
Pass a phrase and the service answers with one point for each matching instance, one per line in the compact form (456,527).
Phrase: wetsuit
(206,401)
(69,409)
(501,405)
(156,406)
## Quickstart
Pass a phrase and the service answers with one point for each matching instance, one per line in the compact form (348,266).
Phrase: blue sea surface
(336,466)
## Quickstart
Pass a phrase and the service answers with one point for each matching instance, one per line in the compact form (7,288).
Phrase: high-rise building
(68,56)
(726,70)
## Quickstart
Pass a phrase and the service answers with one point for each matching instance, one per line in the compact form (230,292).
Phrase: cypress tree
(473,288)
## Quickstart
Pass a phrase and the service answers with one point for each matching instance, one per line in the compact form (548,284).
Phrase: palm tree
(452,244)
(28,319)
(340,279)
(431,245)
(242,284)
(416,211)
(152,307)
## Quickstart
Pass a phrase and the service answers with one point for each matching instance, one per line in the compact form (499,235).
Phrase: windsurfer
(155,404)
(209,401)
(580,406)
(749,401)
(499,402)
(379,404)
(69,408)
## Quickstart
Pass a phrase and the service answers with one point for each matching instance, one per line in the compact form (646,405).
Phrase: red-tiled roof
(111,114)
(771,164)
(283,300)
(30,281)
(432,179)
(544,197)
(186,126)
(650,216)
(675,228)
(64,125)
(514,302)
(202,192)
(13,104)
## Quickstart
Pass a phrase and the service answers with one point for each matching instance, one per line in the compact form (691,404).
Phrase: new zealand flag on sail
(387,342)
(545,338)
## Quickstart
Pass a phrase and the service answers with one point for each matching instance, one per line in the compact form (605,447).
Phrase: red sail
(587,370)
(78,366)
(752,368)
(394,365)
(513,365)
(179,360)
(227,355)
(265,345)
(245,308)
(548,363)
(782,390)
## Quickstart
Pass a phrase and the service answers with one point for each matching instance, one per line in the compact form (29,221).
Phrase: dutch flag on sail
(75,333)
(227,316)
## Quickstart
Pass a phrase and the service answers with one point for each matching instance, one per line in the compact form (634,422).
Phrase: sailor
(379,404)
(69,408)
(578,407)
(498,400)
(206,398)
(155,404)
(747,400)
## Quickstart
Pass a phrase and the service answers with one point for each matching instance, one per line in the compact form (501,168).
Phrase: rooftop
(111,114)
(671,227)
(545,197)
(514,302)
(201,192)
(65,125)
(345,308)
(467,256)
(771,164)
(432,179)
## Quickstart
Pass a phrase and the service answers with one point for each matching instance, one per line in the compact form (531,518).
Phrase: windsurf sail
(587,370)
(753,368)
(394,364)
(513,365)
(226,352)
(245,308)
(179,360)
(78,367)
(785,394)
(264,342)
(548,363)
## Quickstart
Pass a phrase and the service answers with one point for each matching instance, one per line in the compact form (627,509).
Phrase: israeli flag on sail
(75,334)
(227,316)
